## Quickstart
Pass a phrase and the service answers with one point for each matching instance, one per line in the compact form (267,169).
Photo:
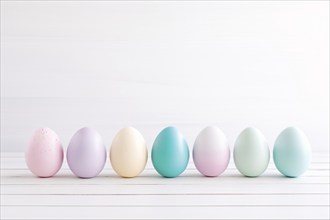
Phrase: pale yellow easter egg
(128,152)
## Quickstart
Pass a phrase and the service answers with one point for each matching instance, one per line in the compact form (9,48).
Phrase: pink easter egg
(211,153)
(44,154)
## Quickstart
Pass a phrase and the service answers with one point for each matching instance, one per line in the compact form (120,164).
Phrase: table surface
(229,196)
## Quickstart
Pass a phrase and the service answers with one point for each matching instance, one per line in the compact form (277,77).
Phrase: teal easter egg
(170,152)
(292,152)
(251,152)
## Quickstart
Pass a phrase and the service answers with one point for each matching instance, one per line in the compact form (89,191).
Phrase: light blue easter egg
(170,152)
(292,152)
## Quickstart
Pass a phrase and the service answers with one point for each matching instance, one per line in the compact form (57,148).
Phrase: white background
(150,64)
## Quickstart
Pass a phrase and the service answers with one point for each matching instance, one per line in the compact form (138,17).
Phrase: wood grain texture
(149,196)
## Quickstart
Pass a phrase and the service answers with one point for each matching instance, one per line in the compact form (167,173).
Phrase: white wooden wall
(150,64)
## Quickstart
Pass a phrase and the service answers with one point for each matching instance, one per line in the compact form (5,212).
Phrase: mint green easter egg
(251,152)
(170,152)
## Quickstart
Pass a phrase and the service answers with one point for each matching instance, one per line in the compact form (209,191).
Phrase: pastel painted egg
(292,152)
(128,152)
(170,152)
(44,154)
(211,152)
(86,153)
(251,152)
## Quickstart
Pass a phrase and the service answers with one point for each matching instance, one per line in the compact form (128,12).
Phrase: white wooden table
(229,196)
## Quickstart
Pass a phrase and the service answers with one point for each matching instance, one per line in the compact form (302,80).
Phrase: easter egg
(128,152)
(44,154)
(86,153)
(170,152)
(211,153)
(292,152)
(251,152)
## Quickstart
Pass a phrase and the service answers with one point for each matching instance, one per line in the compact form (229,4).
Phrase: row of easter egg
(86,153)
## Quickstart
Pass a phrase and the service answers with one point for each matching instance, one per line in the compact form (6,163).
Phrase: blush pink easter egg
(211,153)
(44,154)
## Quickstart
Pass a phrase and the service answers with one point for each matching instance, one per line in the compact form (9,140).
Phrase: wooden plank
(166,200)
(197,189)
(149,196)
(150,177)
(222,212)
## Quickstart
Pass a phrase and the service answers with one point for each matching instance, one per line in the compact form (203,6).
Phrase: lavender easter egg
(86,153)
